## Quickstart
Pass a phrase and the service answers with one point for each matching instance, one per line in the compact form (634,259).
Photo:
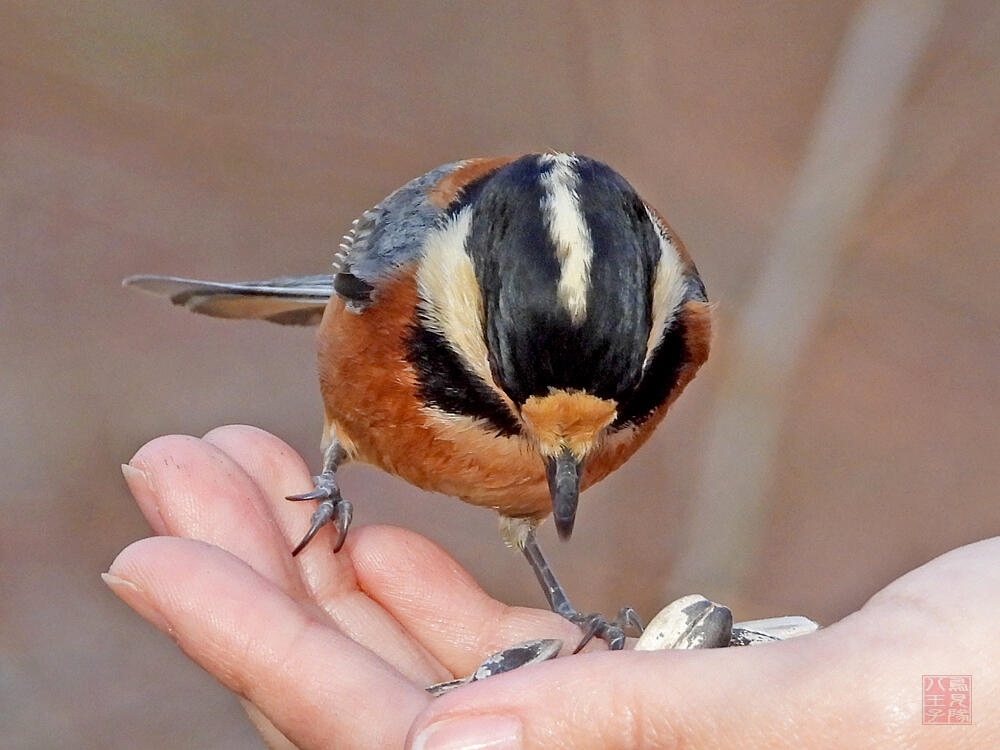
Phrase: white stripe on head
(569,232)
(669,287)
(451,302)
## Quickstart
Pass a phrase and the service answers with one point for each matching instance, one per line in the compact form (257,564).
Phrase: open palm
(334,651)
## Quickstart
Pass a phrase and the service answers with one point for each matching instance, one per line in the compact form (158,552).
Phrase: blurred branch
(841,165)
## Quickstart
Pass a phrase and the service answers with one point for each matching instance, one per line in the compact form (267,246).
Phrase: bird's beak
(563,472)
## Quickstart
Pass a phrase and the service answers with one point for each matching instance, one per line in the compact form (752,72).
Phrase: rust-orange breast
(370,394)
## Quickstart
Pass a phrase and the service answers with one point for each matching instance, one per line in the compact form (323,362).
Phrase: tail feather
(288,300)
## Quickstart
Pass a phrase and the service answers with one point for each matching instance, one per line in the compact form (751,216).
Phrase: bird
(504,330)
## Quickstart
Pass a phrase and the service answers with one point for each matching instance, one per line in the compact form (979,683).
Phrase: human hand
(335,650)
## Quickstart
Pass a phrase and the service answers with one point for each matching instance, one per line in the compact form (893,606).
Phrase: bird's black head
(565,255)
(563,294)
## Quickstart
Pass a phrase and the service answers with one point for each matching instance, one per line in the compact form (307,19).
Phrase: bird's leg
(332,506)
(592,623)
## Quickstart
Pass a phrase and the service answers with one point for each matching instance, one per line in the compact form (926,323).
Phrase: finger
(947,592)
(437,601)
(754,698)
(319,688)
(278,471)
(867,667)
(189,488)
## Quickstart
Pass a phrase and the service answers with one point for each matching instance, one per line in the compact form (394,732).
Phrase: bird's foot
(332,507)
(612,631)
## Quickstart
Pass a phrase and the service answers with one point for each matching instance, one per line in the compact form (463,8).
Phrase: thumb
(768,696)
(604,700)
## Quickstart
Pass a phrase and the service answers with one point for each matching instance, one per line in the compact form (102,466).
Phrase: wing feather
(387,237)
(289,300)
(382,240)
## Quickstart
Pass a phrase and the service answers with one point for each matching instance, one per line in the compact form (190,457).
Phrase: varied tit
(505,330)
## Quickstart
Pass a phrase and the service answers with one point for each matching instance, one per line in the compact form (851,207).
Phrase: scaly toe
(342,522)
(613,631)
(332,508)
(325,488)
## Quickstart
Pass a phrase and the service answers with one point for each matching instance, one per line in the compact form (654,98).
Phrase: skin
(307,642)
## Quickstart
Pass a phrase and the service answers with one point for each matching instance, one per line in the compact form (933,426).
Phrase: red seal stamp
(947,699)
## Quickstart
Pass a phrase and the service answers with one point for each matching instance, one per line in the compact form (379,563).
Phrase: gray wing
(386,238)
(289,300)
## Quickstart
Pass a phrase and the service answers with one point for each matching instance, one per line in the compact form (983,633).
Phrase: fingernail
(134,476)
(471,733)
(136,598)
(145,496)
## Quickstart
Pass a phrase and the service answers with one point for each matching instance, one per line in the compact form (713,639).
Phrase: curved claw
(320,493)
(307,538)
(345,512)
(613,632)
(339,512)
(591,626)
(332,508)
(628,617)
(321,516)
(325,489)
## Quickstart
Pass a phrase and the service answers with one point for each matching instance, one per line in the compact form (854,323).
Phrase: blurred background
(833,168)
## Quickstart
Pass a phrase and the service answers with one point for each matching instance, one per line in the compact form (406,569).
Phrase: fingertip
(238,428)
(158,451)
(499,712)
(246,436)
(140,484)
(490,732)
(268,459)
(132,556)
(135,574)
(143,560)
(139,600)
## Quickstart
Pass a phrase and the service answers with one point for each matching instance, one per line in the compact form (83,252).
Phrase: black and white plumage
(507,330)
